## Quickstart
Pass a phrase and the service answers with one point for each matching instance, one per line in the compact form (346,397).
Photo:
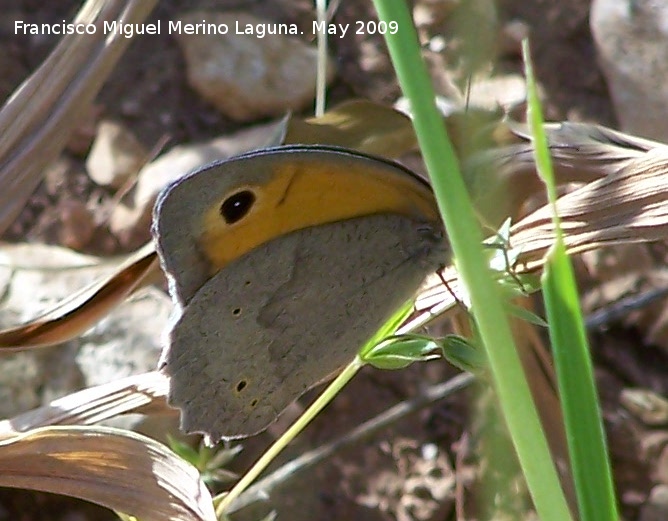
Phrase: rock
(83,135)
(486,94)
(661,468)
(20,383)
(33,279)
(509,39)
(57,173)
(432,12)
(246,76)
(630,37)
(652,444)
(126,342)
(504,90)
(77,224)
(130,221)
(115,156)
(656,507)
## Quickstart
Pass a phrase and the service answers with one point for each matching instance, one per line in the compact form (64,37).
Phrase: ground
(148,93)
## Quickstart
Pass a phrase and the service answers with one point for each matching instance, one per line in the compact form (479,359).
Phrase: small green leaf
(126,517)
(462,353)
(399,351)
(388,329)
(501,237)
(519,284)
(526,315)
(502,256)
(184,451)
(223,457)
(219,476)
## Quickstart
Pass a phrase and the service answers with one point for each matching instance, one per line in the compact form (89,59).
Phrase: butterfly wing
(287,315)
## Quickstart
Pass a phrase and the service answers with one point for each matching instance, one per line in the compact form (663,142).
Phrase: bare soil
(149,94)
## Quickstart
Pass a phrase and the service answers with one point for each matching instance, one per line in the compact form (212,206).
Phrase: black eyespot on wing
(241,385)
(237,206)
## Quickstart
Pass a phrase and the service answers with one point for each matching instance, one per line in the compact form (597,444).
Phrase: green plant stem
(318,405)
(465,236)
(575,377)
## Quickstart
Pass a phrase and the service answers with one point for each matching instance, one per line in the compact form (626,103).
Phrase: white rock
(656,507)
(126,342)
(630,37)
(505,90)
(115,155)
(245,76)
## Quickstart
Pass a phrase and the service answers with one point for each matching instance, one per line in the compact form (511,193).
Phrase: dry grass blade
(358,124)
(118,469)
(81,311)
(630,205)
(143,393)
(500,180)
(35,123)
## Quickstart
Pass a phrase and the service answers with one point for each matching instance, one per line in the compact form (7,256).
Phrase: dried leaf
(36,121)
(117,469)
(143,393)
(359,124)
(627,206)
(501,179)
(82,310)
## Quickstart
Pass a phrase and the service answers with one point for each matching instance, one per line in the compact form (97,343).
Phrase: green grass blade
(511,387)
(584,425)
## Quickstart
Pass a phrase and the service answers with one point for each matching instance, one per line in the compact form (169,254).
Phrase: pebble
(84,133)
(662,467)
(656,507)
(116,155)
(77,224)
(630,38)
(245,76)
